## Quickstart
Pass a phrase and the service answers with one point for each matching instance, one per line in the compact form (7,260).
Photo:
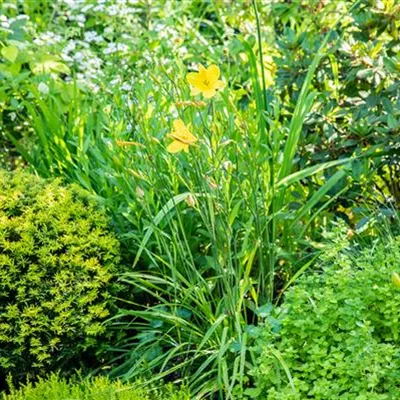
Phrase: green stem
(270,232)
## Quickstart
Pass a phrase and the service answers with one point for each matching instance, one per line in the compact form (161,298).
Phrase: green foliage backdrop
(303,131)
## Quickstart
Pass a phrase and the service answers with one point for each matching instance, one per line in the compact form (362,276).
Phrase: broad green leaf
(49,65)
(10,53)
(10,70)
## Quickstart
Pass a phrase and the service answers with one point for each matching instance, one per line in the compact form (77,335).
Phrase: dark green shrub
(337,332)
(357,109)
(57,259)
(99,388)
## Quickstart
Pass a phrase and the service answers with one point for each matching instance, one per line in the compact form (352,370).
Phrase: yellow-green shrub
(57,259)
(99,388)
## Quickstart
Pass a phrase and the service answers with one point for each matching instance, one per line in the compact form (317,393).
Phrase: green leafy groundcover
(337,333)
(99,388)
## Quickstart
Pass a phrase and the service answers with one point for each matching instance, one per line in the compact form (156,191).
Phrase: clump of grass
(213,248)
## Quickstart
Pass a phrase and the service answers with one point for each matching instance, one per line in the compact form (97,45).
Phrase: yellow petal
(209,93)
(213,72)
(202,70)
(195,91)
(179,125)
(192,78)
(190,138)
(219,84)
(176,147)
(185,137)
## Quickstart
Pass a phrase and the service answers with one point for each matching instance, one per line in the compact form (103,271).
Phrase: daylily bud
(139,192)
(191,200)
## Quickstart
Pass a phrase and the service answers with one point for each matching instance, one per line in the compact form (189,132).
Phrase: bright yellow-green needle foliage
(396,279)
(206,81)
(183,138)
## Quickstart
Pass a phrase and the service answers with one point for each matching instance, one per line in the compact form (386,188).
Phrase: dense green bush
(337,332)
(357,110)
(57,259)
(99,388)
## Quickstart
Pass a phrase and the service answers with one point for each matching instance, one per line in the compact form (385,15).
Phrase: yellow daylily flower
(183,138)
(205,81)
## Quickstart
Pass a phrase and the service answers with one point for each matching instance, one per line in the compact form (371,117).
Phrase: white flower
(112,10)
(93,87)
(69,47)
(122,47)
(182,51)
(73,4)
(92,36)
(47,38)
(159,27)
(115,47)
(87,8)
(78,56)
(66,57)
(80,19)
(95,62)
(10,6)
(98,8)
(108,30)
(43,88)
(109,49)
(38,42)
(126,87)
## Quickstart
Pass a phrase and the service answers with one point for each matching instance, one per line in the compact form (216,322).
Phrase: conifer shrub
(53,387)
(58,257)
